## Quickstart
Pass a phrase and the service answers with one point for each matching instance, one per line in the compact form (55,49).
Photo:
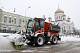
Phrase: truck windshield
(31,24)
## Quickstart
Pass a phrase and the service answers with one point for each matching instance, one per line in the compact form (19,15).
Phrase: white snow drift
(5,44)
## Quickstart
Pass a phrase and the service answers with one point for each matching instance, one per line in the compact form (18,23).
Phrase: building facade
(66,26)
(12,21)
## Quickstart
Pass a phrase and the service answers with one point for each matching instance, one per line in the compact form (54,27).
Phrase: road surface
(61,47)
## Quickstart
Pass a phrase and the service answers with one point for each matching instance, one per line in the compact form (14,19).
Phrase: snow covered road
(66,45)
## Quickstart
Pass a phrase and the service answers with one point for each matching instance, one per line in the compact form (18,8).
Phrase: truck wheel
(18,47)
(54,40)
(30,43)
(39,41)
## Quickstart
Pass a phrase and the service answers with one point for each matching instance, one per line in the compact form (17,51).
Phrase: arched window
(9,19)
(5,19)
(14,20)
(59,17)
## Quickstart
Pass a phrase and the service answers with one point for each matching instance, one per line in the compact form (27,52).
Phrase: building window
(63,19)
(5,19)
(14,21)
(19,21)
(23,20)
(59,17)
(4,28)
(49,20)
(9,28)
(69,27)
(9,19)
(26,22)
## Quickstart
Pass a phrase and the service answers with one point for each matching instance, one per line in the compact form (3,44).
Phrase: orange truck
(39,32)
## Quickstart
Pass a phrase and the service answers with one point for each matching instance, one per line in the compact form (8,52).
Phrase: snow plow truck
(38,33)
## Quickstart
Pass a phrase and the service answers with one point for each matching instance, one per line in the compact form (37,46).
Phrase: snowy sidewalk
(70,38)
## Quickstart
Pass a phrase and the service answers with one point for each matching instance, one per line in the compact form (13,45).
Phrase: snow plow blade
(17,47)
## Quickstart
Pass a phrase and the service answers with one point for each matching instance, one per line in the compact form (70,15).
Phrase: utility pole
(25,11)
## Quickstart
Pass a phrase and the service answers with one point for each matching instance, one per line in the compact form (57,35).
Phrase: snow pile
(5,34)
(5,44)
(70,38)
(28,50)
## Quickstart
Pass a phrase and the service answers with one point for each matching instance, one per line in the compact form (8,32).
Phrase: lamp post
(25,10)
(25,13)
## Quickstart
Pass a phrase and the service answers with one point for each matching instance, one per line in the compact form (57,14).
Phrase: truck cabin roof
(39,19)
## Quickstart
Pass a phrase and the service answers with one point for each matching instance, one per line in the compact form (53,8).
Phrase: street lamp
(26,9)
(25,13)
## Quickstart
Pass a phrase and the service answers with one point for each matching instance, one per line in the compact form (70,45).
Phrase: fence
(7,31)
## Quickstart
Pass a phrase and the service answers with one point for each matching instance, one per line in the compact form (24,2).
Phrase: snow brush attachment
(17,47)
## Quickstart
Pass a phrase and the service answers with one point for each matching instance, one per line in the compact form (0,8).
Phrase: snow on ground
(5,34)
(5,44)
(28,50)
(70,38)
(73,50)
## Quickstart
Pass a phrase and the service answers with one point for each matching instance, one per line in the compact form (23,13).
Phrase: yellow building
(12,21)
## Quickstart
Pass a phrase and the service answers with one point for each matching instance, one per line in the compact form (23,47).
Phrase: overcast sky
(44,7)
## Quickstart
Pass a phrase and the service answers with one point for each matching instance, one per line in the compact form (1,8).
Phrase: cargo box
(54,28)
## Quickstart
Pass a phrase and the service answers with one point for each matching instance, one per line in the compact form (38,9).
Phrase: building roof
(64,15)
(68,18)
(12,12)
(49,18)
(59,11)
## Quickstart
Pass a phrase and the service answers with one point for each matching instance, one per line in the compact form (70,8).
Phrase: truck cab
(35,26)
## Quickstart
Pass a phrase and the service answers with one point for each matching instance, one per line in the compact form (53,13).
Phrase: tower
(59,15)
(50,19)
(64,17)
(68,19)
